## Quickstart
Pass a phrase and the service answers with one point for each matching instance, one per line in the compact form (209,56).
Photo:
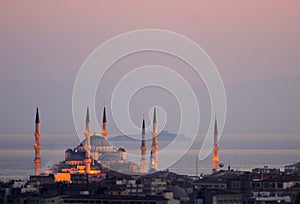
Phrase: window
(273,185)
(266,185)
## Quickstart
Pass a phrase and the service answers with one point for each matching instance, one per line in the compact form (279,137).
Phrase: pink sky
(255,45)
(255,40)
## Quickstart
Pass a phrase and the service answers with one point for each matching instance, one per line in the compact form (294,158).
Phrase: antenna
(196,165)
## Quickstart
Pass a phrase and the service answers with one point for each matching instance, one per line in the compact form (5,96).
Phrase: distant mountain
(121,138)
(162,136)
(167,136)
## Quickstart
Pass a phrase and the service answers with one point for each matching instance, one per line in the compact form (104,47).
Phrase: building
(266,170)
(292,169)
(166,198)
(217,196)
(210,184)
(44,199)
(95,155)
(155,186)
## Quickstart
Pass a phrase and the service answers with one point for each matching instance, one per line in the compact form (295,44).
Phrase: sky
(254,44)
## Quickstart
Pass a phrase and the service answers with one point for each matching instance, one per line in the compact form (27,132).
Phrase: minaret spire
(87,143)
(154,147)
(143,133)
(104,131)
(37,117)
(215,159)
(37,147)
(216,132)
(87,119)
(143,163)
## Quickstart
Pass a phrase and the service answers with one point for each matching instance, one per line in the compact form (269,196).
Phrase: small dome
(79,156)
(121,149)
(177,191)
(68,154)
(97,140)
(69,151)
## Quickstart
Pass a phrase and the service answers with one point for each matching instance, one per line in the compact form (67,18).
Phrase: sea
(16,156)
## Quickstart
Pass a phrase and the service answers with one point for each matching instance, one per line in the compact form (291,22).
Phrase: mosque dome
(109,157)
(97,141)
(121,149)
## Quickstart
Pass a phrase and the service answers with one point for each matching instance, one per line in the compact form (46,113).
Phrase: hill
(162,136)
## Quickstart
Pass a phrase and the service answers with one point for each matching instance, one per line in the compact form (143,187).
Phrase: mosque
(95,155)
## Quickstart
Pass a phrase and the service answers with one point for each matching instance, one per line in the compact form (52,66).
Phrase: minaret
(143,168)
(104,131)
(151,161)
(37,147)
(215,159)
(87,159)
(154,147)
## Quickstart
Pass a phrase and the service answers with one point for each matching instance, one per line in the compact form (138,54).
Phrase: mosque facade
(96,155)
